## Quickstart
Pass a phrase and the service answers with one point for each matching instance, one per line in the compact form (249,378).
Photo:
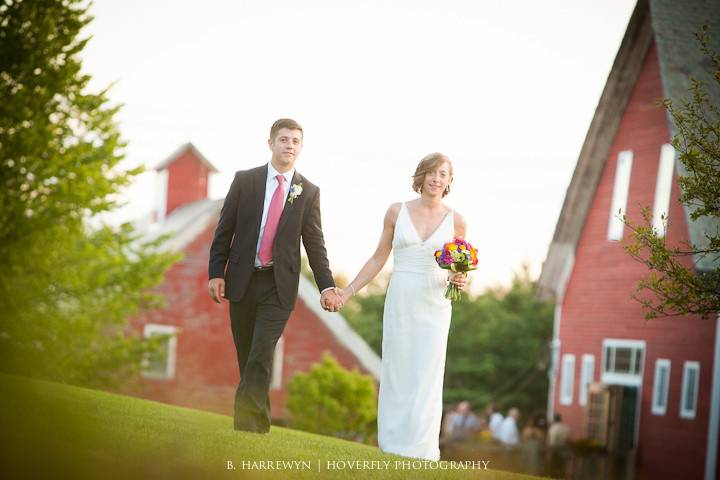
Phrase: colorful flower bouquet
(458,256)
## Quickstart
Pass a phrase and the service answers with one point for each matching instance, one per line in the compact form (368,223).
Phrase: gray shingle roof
(674,23)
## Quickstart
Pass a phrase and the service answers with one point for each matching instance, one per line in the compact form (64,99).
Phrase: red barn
(650,389)
(199,368)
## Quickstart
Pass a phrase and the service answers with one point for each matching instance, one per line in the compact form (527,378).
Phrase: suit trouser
(257,322)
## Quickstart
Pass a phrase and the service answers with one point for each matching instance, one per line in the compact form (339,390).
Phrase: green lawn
(52,430)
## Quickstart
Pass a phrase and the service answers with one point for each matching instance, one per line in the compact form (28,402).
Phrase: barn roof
(671,25)
(187,222)
(181,150)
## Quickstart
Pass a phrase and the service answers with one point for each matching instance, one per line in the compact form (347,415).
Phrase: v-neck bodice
(410,252)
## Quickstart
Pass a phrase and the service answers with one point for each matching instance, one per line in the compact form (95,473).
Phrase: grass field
(52,430)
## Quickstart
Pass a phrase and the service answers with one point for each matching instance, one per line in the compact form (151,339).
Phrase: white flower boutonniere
(295,191)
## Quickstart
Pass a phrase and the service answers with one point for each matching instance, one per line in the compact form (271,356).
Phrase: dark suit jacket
(237,232)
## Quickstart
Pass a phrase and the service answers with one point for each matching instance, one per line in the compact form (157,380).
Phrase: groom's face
(286,147)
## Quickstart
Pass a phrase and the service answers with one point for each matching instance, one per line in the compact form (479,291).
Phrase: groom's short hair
(288,123)
(427,165)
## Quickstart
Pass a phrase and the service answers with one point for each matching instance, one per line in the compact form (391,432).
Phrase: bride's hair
(428,164)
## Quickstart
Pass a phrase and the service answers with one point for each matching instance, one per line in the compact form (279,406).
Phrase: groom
(267,210)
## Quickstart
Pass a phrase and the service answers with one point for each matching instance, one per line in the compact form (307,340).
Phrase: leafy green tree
(331,400)
(498,348)
(672,288)
(66,289)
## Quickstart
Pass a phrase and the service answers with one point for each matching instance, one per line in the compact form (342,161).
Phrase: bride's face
(437,180)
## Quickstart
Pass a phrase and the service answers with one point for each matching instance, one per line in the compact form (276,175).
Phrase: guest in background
(447,424)
(508,432)
(535,429)
(495,419)
(558,433)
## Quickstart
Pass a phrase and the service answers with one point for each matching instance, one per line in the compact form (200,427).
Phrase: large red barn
(650,389)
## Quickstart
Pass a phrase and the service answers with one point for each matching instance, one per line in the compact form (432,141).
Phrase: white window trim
(663,188)
(689,413)
(161,193)
(587,372)
(276,381)
(657,408)
(567,379)
(621,188)
(632,380)
(150,329)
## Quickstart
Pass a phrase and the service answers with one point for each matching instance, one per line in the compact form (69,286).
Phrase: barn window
(161,365)
(586,377)
(688,401)
(567,379)
(623,361)
(276,381)
(660,386)
(663,187)
(620,194)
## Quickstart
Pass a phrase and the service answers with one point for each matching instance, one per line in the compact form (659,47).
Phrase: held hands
(217,289)
(331,301)
(459,279)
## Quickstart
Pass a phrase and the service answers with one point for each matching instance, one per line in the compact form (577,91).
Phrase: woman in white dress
(416,317)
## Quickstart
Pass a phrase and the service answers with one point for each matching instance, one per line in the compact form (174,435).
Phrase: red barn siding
(597,303)
(187,181)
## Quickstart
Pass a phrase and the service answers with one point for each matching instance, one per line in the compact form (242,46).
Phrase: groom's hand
(330,300)
(217,288)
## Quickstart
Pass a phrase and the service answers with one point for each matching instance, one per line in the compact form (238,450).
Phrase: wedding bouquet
(458,256)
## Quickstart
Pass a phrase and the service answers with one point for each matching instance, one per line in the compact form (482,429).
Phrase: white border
(661,364)
(587,372)
(631,380)
(663,187)
(714,420)
(150,329)
(621,189)
(689,413)
(567,379)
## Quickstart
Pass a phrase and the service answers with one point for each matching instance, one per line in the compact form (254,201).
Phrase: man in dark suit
(255,264)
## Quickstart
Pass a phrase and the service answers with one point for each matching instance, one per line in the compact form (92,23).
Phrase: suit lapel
(259,183)
(288,208)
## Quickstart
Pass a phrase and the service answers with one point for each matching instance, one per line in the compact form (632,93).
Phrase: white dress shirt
(508,433)
(496,420)
(271,185)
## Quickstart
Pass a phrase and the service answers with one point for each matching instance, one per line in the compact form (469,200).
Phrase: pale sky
(506,89)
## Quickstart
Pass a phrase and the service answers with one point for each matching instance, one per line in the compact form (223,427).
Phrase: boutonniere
(295,191)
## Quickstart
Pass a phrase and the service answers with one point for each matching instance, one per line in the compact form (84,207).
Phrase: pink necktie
(271,223)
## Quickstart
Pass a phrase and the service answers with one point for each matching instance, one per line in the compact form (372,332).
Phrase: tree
(672,288)
(66,289)
(498,348)
(331,400)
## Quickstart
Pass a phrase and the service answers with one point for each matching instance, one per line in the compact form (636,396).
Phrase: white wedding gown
(416,322)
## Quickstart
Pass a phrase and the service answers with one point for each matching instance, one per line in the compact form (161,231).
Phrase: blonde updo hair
(428,164)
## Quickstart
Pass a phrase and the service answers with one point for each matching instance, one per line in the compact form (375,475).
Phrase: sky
(506,89)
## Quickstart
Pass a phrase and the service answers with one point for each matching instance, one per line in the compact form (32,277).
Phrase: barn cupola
(182,179)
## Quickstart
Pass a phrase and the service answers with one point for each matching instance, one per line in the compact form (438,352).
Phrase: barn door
(610,416)
(627,418)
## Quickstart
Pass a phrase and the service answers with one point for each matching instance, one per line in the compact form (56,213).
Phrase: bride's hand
(345,294)
(458,279)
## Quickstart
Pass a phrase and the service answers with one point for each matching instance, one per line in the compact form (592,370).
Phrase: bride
(416,318)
